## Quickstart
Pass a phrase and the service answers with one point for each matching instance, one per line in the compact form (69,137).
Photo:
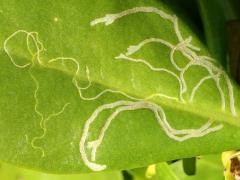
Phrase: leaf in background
(142,174)
(215,15)
(208,167)
(164,172)
(82,90)
(160,171)
(233,37)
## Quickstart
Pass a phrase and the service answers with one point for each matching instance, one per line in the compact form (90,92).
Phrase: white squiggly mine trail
(121,106)
(184,46)
(33,36)
(188,50)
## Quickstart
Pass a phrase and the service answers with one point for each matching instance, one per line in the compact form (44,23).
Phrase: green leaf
(215,15)
(9,172)
(51,50)
(141,174)
(160,171)
(233,29)
(164,172)
(209,167)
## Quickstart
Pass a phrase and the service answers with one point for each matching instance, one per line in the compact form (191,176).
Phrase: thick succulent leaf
(49,119)
(9,172)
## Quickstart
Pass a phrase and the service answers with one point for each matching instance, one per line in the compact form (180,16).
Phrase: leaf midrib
(186,107)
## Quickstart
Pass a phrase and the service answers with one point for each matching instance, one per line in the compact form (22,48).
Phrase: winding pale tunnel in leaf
(72,76)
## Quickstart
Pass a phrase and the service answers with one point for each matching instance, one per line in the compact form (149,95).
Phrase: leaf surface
(79,95)
(9,172)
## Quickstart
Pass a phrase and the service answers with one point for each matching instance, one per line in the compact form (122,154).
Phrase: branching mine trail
(33,36)
(187,50)
(184,46)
